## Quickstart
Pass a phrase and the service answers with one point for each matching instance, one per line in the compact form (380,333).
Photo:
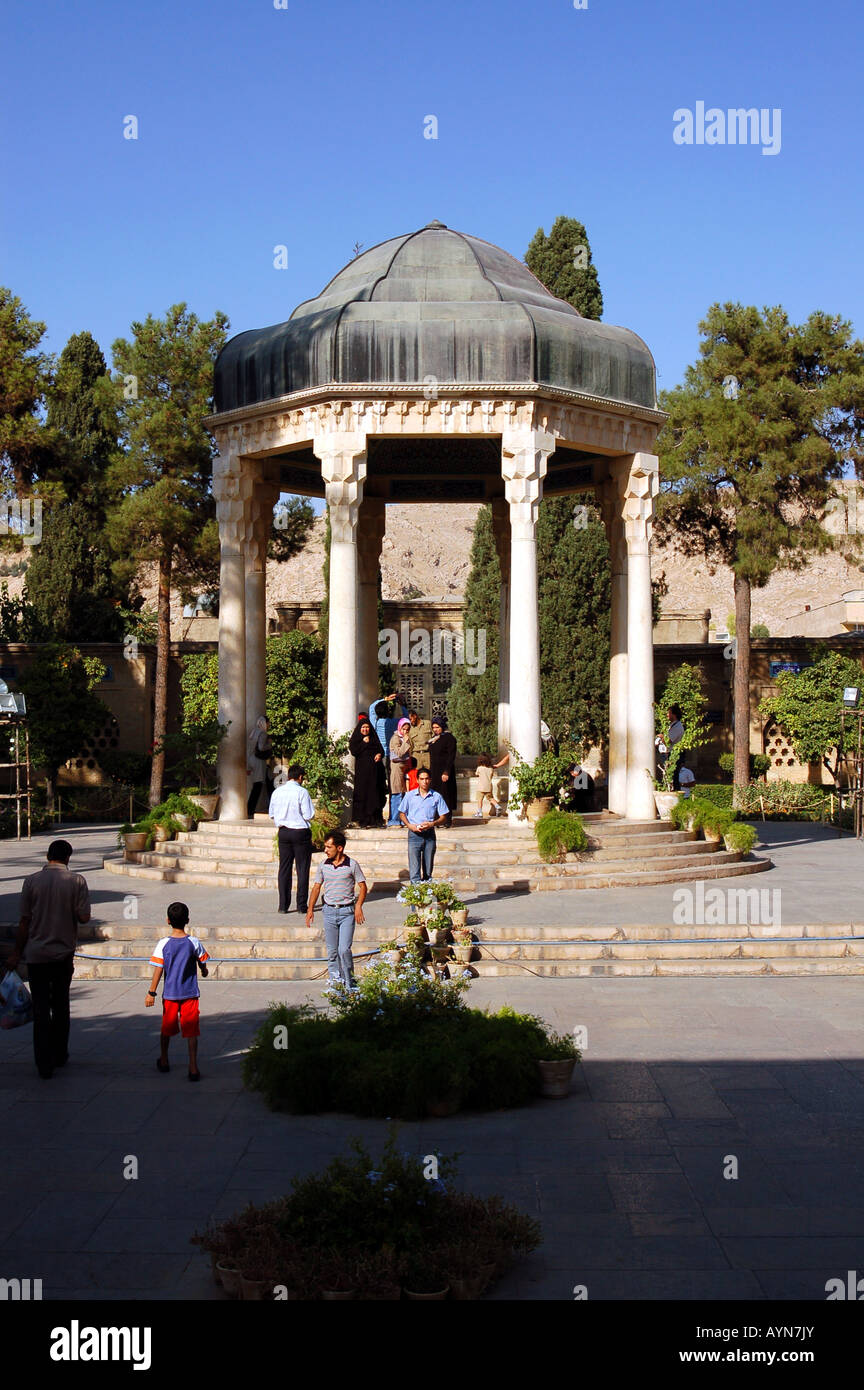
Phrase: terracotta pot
(338,1295)
(428,1297)
(463,952)
(459,916)
(537,808)
(664,801)
(134,842)
(160,835)
(208,801)
(393,957)
(712,837)
(438,935)
(555,1077)
(184,822)
(254,1290)
(230,1278)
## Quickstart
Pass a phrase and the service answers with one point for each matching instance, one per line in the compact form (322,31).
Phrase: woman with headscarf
(442,764)
(400,756)
(260,751)
(369,785)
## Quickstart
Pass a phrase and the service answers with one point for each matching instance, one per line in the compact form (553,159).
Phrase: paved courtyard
(683,1079)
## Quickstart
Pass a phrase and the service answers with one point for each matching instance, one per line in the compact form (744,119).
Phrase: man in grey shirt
(345,890)
(53,902)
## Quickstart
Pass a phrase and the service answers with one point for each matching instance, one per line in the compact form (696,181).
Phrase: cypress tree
(472,704)
(562,262)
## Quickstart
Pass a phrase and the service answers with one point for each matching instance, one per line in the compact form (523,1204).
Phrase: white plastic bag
(16,1006)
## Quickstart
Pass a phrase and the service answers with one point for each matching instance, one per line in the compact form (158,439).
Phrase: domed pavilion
(436,368)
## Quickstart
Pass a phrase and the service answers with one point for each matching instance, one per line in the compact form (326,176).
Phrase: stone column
(640,490)
(501,532)
(233,486)
(343,468)
(370,535)
(613,505)
(524,456)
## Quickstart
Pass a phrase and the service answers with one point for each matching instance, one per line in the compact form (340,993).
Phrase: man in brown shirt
(418,736)
(53,903)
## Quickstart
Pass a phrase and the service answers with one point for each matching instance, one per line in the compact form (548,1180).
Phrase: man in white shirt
(291,810)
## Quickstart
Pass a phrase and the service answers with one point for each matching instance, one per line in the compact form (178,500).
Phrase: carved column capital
(628,499)
(343,468)
(233,491)
(524,458)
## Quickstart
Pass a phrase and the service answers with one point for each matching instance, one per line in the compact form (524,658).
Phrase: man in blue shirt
(292,810)
(420,812)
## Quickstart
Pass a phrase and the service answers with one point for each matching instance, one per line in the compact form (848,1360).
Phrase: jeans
(395,803)
(49,989)
(421,855)
(338,935)
(295,846)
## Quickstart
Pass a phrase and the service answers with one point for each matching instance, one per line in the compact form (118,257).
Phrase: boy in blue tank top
(179,956)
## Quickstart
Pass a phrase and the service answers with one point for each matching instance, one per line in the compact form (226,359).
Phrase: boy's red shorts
(186,1010)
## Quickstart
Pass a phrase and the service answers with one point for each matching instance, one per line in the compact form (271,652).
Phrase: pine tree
(82,415)
(574,599)
(762,425)
(562,262)
(472,704)
(25,375)
(167,510)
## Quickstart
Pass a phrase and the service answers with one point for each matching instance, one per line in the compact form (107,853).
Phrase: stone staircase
(480,857)
(290,951)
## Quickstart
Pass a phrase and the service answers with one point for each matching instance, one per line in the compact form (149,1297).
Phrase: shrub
(403,1042)
(784,800)
(558,834)
(718,795)
(368,1225)
(759,764)
(740,837)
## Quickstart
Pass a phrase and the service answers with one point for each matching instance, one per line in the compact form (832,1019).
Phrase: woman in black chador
(370,791)
(442,764)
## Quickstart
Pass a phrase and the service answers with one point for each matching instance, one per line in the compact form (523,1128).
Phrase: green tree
(62,709)
(293,519)
(472,704)
(82,417)
(70,581)
(685,688)
(166,513)
(763,424)
(25,376)
(574,600)
(809,709)
(562,262)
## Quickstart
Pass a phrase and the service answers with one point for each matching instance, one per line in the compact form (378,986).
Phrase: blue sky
(304,127)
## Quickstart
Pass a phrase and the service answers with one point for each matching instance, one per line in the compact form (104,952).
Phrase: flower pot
(161,835)
(438,936)
(254,1290)
(664,801)
(184,822)
(463,952)
(393,957)
(459,916)
(555,1077)
(208,801)
(338,1295)
(467,1289)
(428,1297)
(537,808)
(230,1277)
(712,837)
(134,842)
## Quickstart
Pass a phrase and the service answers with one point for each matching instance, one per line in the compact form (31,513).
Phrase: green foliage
(324,760)
(759,630)
(294,689)
(18,618)
(547,775)
(740,837)
(25,376)
(785,800)
(293,519)
(367,1225)
(683,688)
(74,594)
(402,1043)
(199,687)
(562,262)
(759,764)
(558,834)
(62,710)
(720,795)
(192,753)
(808,708)
(125,769)
(575,603)
(472,704)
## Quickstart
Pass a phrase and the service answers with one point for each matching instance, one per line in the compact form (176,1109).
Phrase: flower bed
(406,1044)
(367,1229)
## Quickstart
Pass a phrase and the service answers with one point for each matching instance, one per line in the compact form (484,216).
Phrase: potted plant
(714,822)
(337,1277)
(560,1055)
(458,913)
(192,755)
(132,839)
(464,944)
(469,1270)
(425,1281)
(739,837)
(391,951)
(438,927)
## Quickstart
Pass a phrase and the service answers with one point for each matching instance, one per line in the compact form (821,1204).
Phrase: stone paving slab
(626,1175)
